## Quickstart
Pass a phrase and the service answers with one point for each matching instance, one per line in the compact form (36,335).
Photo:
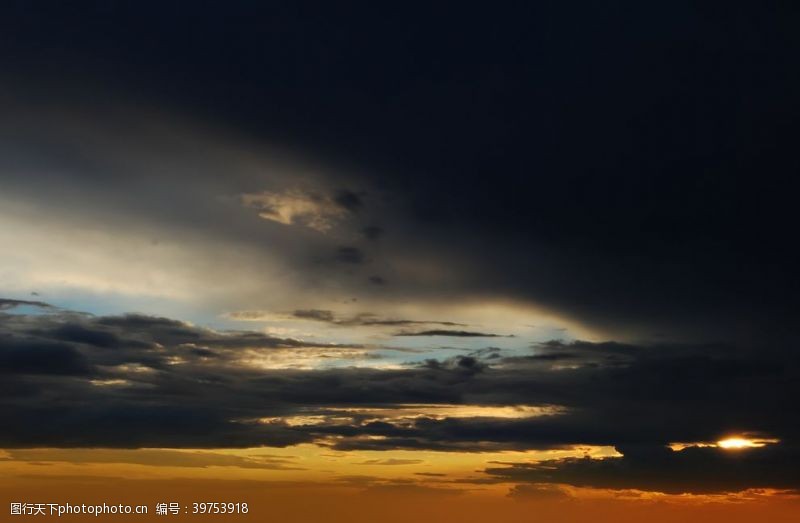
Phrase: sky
(339,259)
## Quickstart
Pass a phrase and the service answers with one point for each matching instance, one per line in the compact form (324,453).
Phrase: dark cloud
(126,424)
(454,333)
(372,320)
(696,470)
(606,394)
(41,357)
(146,329)
(6,304)
(363,319)
(644,185)
(652,395)
(155,382)
(80,334)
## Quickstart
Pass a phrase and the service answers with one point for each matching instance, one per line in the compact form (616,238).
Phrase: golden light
(743,443)
(737,443)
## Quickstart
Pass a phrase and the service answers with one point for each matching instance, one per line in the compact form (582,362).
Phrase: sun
(736,443)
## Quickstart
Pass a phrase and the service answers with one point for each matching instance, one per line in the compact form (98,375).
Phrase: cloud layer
(76,380)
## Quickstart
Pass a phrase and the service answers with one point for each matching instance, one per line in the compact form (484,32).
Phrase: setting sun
(737,443)
(743,443)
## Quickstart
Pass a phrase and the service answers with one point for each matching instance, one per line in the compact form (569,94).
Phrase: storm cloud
(633,203)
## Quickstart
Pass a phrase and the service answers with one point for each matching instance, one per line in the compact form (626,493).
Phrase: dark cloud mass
(27,357)
(74,380)
(696,470)
(631,167)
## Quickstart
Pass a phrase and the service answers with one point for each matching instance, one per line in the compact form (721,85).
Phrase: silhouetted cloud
(696,470)
(454,333)
(147,381)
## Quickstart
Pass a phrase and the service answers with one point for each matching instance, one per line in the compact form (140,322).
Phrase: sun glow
(729,443)
(736,443)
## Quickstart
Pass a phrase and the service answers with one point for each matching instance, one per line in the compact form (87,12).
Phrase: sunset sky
(376,262)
